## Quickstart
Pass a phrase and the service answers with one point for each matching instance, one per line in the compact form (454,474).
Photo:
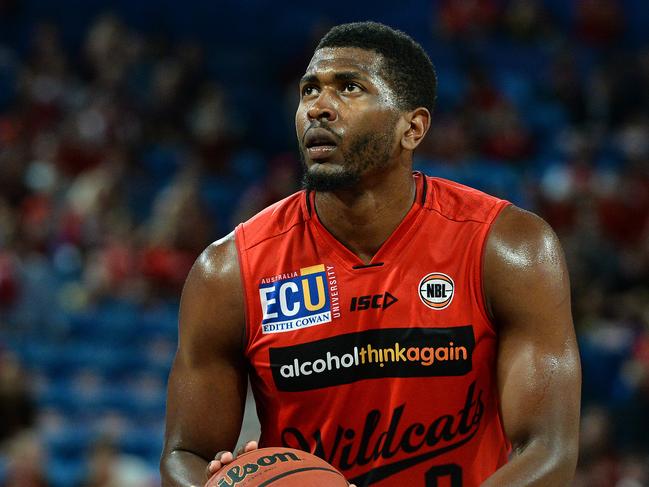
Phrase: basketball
(276,466)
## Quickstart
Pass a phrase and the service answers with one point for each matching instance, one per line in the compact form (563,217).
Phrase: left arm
(539,376)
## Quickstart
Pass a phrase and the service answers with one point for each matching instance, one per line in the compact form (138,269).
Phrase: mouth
(320,144)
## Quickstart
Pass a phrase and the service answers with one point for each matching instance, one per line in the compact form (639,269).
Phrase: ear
(418,122)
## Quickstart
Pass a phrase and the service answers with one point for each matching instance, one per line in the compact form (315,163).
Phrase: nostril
(320,112)
(328,114)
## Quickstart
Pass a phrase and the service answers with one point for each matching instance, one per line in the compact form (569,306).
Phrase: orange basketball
(277,467)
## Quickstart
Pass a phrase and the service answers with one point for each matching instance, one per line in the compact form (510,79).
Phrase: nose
(322,108)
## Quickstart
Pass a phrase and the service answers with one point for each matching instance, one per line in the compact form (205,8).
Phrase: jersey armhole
(496,210)
(240,244)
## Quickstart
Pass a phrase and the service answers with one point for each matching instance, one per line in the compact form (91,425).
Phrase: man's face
(346,119)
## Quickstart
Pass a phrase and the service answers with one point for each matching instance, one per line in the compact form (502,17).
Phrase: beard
(368,152)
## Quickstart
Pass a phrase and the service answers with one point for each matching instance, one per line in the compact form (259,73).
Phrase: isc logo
(298,301)
(436,290)
(375,301)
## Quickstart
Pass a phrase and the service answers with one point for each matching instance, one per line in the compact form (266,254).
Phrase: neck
(363,218)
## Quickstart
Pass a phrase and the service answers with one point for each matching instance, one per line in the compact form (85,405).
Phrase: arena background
(133,133)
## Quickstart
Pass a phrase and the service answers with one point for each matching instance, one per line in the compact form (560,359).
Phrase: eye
(352,88)
(308,90)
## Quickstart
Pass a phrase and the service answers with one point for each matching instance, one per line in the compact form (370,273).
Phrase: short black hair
(407,67)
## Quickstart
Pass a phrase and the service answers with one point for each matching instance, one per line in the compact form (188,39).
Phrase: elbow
(563,453)
(556,462)
(169,466)
(165,477)
(564,461)
(182,468)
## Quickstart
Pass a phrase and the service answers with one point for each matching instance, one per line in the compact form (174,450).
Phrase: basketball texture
(277,467)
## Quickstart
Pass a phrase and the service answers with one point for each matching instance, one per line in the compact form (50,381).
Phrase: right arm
(208,379)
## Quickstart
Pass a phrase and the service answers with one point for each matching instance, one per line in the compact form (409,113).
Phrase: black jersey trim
(363,266)
(424,189)
(308,202)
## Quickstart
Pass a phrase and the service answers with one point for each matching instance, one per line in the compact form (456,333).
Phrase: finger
(224,457)
(250,446)
(220,459)
(213,467)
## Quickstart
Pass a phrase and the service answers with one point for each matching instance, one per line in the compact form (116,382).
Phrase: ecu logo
(295,300)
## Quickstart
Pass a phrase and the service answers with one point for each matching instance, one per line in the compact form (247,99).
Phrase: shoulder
(458,202)
(217,262)
(522,239)
(274,220)
(211,307)
(523,259)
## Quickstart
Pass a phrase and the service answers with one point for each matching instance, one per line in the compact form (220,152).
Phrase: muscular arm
(207,384)
(539,376)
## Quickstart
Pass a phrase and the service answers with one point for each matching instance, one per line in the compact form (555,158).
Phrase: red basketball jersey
(385,370)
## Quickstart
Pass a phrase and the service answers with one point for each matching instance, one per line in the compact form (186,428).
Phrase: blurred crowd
(124,152)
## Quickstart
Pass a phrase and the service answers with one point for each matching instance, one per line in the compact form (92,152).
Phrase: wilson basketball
(277,467)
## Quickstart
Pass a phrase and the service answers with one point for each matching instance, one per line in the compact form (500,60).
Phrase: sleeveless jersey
(385,370)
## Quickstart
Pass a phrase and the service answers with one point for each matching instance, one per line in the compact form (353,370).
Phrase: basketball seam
(297,470)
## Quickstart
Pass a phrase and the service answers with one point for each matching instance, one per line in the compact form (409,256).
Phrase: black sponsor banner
(373,354)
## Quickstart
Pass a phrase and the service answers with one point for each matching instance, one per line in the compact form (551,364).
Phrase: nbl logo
(436,290)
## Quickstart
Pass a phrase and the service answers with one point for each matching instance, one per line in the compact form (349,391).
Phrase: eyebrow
(339,76)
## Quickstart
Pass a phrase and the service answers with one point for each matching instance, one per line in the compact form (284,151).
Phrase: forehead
(333,59)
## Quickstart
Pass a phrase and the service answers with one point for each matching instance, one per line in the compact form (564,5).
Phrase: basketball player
(407,329)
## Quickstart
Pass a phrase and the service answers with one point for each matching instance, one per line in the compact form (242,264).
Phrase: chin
(328,177)
(325,167)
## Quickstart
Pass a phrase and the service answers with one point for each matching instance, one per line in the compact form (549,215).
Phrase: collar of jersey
(389,250)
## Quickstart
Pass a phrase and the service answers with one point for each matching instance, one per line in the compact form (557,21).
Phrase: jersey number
(451,471)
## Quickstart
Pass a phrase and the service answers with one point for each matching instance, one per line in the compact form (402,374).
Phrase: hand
(224,457)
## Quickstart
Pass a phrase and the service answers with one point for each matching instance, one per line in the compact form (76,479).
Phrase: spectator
(17,409)
(107,467)
(527,20)
(599,22)
(26,464)
(470,18)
